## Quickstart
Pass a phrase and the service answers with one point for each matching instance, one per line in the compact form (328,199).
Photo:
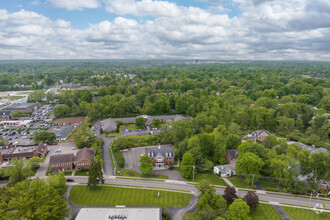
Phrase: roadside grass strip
(298,196)
(112,196)
(300,214)
(238,182)
(137,178)
(265,211)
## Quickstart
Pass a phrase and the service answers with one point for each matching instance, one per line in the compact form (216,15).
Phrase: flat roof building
(120,213)
(22,107)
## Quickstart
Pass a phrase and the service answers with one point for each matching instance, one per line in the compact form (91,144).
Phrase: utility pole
(252,180)
(193,173)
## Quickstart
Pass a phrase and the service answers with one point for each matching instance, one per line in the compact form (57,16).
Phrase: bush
(273,189)
(285,190)
(120,159)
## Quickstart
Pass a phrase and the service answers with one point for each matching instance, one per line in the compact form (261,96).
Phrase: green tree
(84,138)
(62,111)
(146,164)
(233,141)
(186,165)
(249,163)
(155,123)
(35,200)
(238,210)
(203,187)
(140,122)
(320,164)
(95,174)
(3,141)
(19,170)
(270,141)
(211,206)
(58,182)
(44,136)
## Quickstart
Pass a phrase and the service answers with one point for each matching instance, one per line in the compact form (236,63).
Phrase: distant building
(29,107)
(110,125)
(9,153)
(311,149)
(63,132)
(161,155)
(258,135)
(69,162)
(120,213)
(70,86)
(22,123)
(231,157)
(5,115)
(224,170)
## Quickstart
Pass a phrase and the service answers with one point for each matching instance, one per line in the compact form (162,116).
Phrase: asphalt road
(108,169)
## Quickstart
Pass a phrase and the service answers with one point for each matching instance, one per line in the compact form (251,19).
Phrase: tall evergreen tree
(95,174)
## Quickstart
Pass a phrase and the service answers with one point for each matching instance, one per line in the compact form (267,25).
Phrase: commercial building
(63,132)
(5,115)
(22,107)
(161,155)
(9,153)
(22,123)
(120,213)
(69,162)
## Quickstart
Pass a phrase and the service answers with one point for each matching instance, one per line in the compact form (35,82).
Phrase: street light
(193,173)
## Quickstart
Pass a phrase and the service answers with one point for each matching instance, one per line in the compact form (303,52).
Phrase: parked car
(70,180)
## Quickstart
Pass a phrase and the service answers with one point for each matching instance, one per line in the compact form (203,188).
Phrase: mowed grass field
(112,196)
(210,178)
(265,211)
(300,214)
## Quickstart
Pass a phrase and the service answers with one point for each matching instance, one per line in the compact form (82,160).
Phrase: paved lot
(132,157)
(172,174)
(65,149)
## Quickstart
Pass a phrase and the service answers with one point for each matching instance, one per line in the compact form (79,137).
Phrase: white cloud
(296,29)
(75,4)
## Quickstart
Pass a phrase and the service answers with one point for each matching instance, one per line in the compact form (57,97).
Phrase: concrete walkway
(283,215)
(228,182)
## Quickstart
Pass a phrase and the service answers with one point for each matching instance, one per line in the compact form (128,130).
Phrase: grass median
(112,196)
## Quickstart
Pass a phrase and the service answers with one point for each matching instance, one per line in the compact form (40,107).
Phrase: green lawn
(115,134)
(210,178)
(299,214)
(112,196)
(188,215)
(238,182)
(81,173)
(266,183)
(133,173)
(67,173)
(265,211)
(131,128)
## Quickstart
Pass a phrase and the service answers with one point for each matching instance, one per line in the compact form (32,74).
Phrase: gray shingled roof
(233,153)
(160,150)
(61,158)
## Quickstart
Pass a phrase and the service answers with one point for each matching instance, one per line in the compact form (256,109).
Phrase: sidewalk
(228,182)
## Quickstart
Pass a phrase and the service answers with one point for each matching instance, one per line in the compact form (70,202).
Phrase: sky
(159,29)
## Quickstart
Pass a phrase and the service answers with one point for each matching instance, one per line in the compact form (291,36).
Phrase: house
(311,149)
(109,125)
(61,162)
(231,157)
(121,213)
(324,185)
(83,158)
(5,115)
(41,150)
(161,155)
(69,162)
(258,135)
(224,170)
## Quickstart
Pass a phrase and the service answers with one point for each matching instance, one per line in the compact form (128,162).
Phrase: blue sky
(165,29)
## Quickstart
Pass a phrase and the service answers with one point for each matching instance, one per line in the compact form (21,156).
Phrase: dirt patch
(72,120)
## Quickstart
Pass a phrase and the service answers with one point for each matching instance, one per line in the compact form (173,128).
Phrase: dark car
(70,180)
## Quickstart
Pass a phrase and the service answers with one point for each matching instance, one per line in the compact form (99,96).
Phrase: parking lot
(14,137)
(132,157)
(62,148)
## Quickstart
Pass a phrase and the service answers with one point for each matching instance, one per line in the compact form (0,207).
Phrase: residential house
(224,170)
(109,125)
(231,157)
(70,86)
(311,149)
(161,155)
(258,135)
(69,162)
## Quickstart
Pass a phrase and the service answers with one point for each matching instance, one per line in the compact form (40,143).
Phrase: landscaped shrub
(285,190)
(120,159)
(276,189)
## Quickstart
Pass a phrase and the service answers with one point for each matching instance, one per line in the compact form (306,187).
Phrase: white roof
(120,213)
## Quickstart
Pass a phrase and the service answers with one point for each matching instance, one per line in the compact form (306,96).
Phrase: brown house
(83,158)
(61,162)
(258,135)
(69,162)
(41,150)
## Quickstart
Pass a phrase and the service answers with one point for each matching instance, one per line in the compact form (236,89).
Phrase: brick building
(69,162)
(161,155)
